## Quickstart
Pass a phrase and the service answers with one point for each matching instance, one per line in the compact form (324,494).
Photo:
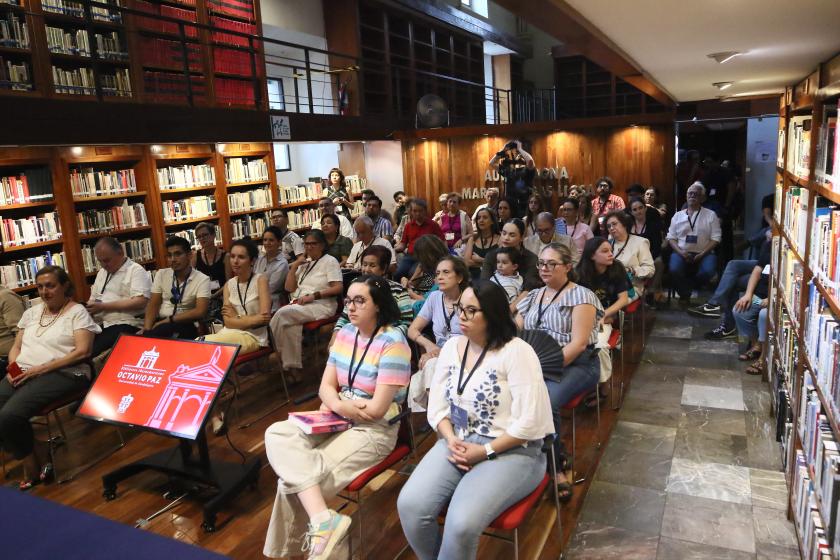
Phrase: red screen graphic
(166,385)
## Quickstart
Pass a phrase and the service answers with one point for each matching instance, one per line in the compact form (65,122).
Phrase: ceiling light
(722,85)
(725,56)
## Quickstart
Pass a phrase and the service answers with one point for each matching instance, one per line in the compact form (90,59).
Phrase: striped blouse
(557,317)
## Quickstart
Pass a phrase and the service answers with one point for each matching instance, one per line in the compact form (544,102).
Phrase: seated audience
(314,286)
(364,380)
(366,238)
(507,273)
(212,261)
(180,295)
(747,314)
(382,226)
(486,237)
(455,224)
(53,337)
(504,212)
(327,206)
(119,294)
(489,455)
(547,234)
(603,204)
(12,307)
(511,236)
(632,251)
(536,206)
(290,242)
(578,231)
(273,264)
(652,200)
(651,231)
(367,195)
(430,251)
(569,313)
(338,246)
(652,216)
(417,226)
(693,235)
(491,201)
(581,194)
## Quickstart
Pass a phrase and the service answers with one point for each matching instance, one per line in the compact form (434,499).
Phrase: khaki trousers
(287,328)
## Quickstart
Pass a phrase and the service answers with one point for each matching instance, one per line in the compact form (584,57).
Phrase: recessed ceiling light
(725,56)
(722,85)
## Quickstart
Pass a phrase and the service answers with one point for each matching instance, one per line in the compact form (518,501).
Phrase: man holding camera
(517,168)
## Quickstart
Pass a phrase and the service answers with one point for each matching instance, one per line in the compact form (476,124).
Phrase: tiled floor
(691,470)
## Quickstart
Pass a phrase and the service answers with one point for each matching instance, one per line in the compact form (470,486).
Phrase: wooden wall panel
(351,159)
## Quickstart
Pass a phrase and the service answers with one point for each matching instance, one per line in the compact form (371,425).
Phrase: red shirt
(413,232)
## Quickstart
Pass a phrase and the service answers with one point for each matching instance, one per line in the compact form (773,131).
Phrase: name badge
(450,236)
(459,417)
(691,239)
(214,285)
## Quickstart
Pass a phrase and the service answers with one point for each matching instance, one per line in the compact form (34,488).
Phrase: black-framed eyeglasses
(549,265)
(543,231)
(357,301)
(612,225)
(467,311)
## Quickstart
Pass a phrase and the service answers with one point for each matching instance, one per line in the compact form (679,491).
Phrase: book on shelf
(827,148)
(245,170)
(189,235)
(780,149)
(14,32)
(68,41)
(125,216)
(300,193)
(222,23)
(813,537)
(790,274)
(116,84)
(235,92)
(64,7)
(238,8)
(32,229)
(232,61)
(188,208)
(796,216)
(355,184)
(822,344)
(777,202)
(186,176)
(138,250)
(799,146)
(252,225)
(171,87)
(158,25)
(825,239)
(109,45)
(31,185)
(303,218)
(87,181)
(112,15)
(15,75)
(75,81)
(319,422)
(253,199)
(21,272)
(164,53)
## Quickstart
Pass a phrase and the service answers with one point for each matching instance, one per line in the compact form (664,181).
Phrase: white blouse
(506,394)
(251,295)
(45,344)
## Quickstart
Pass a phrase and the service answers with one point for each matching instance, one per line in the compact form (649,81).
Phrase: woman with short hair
(632,251)
(454,222)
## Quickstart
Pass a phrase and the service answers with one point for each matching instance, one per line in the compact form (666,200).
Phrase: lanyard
(351,375)
(239,291)
(690,223)
(574,229)
(178,291)
(308,270)
(612,246)
(447,318)
(540,310)
(108,277)
(462,383)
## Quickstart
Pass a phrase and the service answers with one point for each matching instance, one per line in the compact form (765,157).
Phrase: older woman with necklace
(633,251)
(53,337)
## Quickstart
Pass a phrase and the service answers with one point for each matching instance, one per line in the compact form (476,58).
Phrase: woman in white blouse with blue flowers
(490,407)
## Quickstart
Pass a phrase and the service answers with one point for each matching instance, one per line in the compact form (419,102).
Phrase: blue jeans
(748,320)
(687,276)
(579,376)
(405,268)
(475,497)
(732,282)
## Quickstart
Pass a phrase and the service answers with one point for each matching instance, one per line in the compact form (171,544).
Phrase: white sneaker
(322,539)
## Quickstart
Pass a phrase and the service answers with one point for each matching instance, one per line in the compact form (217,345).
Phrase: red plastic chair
(315,332)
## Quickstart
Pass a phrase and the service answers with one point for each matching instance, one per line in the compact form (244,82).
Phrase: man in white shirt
(693,236)
(292,244)
(180,295)
(547,233)
(365,236)
(327,206)
(119,294)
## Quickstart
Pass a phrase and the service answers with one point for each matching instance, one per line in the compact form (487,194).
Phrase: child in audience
(507,272)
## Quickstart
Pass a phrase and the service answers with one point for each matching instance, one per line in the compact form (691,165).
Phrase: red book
(317,422)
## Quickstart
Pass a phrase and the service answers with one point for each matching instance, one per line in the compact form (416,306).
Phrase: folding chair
(572,406)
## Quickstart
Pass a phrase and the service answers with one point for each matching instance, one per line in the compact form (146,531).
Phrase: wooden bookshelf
(258,153)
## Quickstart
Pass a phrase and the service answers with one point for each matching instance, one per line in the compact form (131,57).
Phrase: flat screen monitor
(163,385)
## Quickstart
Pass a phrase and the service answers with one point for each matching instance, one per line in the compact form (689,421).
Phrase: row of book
(813,537)
(110,46)
(249,200)
(231,25)
(120,217)
(799,146)
(76,81)
(20,273)
(30,186)
(796,216)
(15,75)
(87,181)
(238,8)
(162,53)
(138,250)
(188,208)
(303,218)
(14,32)
(249,226)
(824,260)
(827,169)
(300,193)
(32,229)
(117,84)
(235,92)
(161,26)
(233,61)
(186,176)
(790,274)
(245,170)
(68,41)
(189,235)
(107,14)
(822,344)
(64,7)
(171,87)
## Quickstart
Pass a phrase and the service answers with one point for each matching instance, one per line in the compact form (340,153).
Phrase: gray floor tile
(711,522)
(672,331)
(757,399)
(672,549)
(763,453)
(710,480)
(760,425)
(647,411)
(769,489)
(643,437)
(634,509)
(713,397)
(723,347)
(596,540)
(765,551)
(771,526)
(666,391)
(713,378)
(709,447)
(634,468)
(713,420)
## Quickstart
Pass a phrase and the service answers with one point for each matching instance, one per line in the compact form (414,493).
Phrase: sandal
(591,402)
(756,368)
(750,354)
(564,492)
(218,424)
(27,485)
(47,474)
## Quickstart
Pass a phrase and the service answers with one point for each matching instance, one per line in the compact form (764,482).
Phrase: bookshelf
(248,184)
(804,309)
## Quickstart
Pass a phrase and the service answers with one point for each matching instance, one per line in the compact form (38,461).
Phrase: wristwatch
(491,454)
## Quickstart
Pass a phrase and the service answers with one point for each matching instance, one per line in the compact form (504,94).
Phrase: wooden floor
(241,530)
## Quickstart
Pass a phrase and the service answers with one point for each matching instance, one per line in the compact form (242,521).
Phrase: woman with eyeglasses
(314,285)
(338,246)
(485,238)
(633,251)
(579,231)
(513,235)
(535,207)
(212,261)
(364,382)
(491,410)
(569,313)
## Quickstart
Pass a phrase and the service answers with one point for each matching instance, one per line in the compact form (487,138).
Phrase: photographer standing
(517,168)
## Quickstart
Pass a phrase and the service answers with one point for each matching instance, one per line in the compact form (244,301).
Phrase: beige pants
(331,461)
(246,341)
(287,328)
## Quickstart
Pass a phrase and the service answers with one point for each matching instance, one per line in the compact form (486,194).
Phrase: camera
(510,145)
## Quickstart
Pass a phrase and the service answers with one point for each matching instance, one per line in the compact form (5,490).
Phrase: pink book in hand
(317,422)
